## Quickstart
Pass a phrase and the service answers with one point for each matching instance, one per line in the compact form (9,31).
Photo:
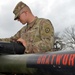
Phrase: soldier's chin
(23,23)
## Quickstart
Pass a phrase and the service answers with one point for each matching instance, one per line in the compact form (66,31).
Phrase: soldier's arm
(47,36)
(12,38)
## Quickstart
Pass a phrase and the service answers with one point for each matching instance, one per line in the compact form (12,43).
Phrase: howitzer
(11,48)
(51,63)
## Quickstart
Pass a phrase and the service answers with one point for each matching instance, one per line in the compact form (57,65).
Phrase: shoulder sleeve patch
(47,30)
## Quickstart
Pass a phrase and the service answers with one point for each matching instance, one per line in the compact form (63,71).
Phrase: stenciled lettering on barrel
(57,59)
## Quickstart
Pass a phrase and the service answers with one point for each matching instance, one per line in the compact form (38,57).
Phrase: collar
(29,26)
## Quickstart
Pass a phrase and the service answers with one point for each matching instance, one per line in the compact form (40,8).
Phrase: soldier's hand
(22,41)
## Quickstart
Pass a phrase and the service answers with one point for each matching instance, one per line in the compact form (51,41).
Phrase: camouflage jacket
(39,36)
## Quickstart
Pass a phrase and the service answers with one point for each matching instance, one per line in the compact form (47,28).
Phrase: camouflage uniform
(39,36)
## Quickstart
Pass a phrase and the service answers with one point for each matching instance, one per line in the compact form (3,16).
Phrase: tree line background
(65,40)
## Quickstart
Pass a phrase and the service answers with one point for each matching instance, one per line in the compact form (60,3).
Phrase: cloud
(61,13)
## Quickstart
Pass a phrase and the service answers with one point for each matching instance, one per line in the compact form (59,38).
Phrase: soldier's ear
(25,12)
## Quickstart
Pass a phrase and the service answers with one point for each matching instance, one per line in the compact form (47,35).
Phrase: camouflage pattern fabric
(18,8)
(39,36)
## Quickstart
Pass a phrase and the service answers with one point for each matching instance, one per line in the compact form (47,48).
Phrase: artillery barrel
(59,61)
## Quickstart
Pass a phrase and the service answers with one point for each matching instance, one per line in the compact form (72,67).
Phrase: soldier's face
(22,18)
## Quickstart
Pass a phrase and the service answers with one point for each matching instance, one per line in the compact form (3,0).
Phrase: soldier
(37,36)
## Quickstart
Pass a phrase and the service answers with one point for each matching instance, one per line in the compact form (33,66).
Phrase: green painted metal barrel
(59,61)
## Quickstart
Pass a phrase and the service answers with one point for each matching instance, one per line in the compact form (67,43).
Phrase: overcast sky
(60,12)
